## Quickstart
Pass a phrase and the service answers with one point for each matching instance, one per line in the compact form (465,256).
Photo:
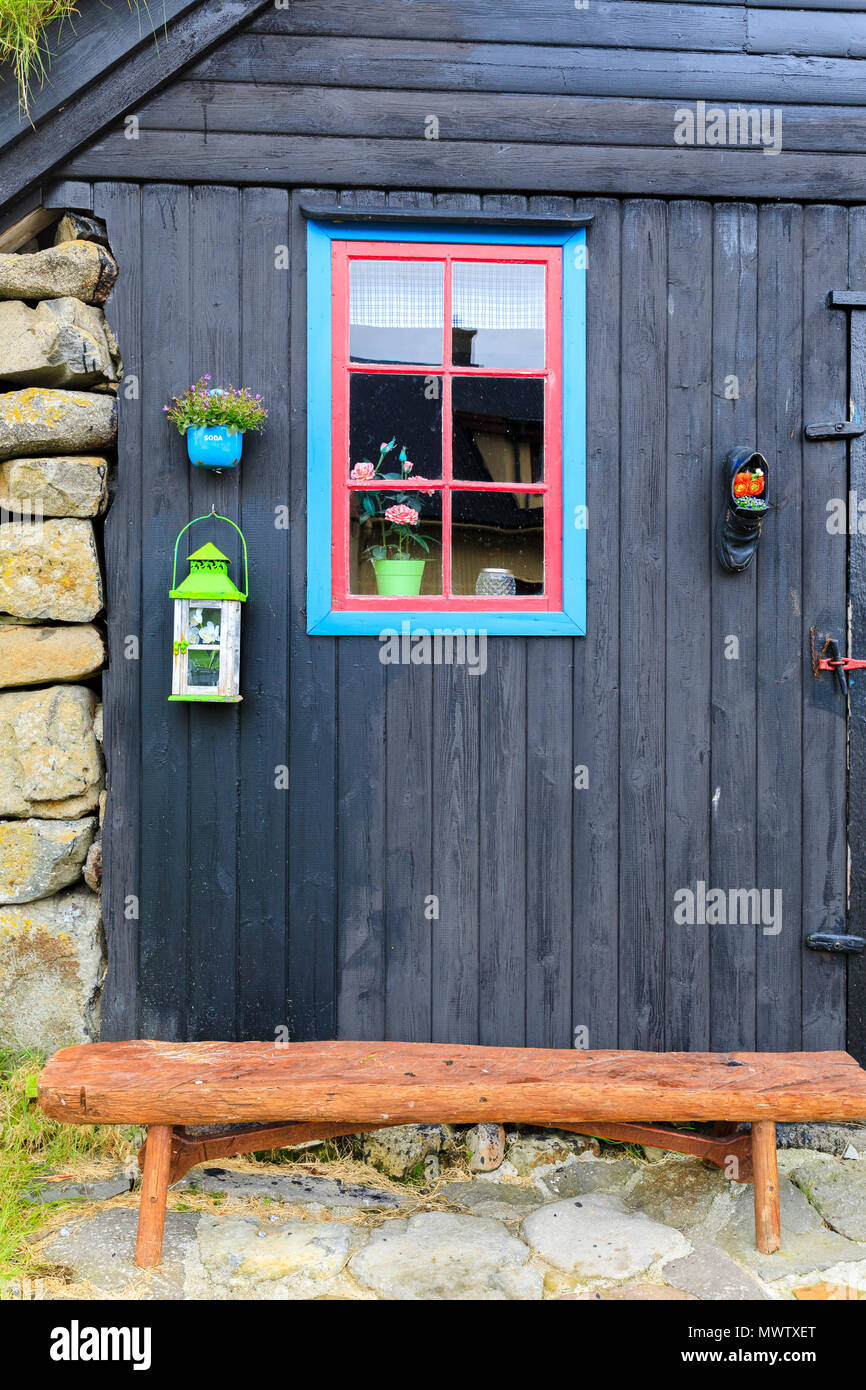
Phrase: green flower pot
(399,576)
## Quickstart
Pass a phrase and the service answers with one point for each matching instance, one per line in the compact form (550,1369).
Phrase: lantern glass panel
(203,654)
(204,626)
(203,668)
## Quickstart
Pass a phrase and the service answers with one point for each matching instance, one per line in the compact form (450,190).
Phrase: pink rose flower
(402,515)
(419,482)
(408,465)
(363,472)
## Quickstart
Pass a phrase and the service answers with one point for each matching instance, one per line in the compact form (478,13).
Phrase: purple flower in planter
(235,408)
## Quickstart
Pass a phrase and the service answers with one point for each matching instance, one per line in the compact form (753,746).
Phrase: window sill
(345,623)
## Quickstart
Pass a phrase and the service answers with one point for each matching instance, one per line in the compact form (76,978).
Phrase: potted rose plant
(394,517)
(214,420)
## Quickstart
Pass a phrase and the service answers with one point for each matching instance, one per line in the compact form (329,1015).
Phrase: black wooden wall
(260,907)
(541,95)
(235,907)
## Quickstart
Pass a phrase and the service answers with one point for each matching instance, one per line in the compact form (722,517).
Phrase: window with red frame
(447,425)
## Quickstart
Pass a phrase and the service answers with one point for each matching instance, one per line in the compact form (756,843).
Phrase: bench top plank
(145,1082)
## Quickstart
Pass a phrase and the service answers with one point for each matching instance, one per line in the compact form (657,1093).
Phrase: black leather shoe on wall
(746,480)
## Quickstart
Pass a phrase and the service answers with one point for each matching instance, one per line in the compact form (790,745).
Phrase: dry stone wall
(59,374)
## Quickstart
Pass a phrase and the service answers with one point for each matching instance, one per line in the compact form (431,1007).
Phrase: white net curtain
(489,295)
(411,294)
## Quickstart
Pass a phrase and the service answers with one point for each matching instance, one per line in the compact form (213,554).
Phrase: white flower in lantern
(207,624)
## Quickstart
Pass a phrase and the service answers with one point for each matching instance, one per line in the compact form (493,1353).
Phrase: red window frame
(342,253)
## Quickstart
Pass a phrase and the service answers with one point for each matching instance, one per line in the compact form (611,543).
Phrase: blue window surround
(321,618)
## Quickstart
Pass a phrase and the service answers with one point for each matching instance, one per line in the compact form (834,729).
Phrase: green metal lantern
(207,623)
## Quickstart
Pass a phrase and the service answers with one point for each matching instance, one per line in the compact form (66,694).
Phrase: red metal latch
(841,663)
(829,659)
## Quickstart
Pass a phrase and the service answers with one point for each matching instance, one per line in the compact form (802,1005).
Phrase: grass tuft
(22,39)
(23,42)
(31,1146)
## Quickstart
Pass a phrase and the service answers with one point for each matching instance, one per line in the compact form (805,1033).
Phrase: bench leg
(154,1190)
(768,1228)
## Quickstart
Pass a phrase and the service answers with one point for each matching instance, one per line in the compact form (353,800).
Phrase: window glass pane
(497,315)
(403,408)
(497,543)
(204,625)
(498,429)
(204,666)
(375,536)
(396,311)
(203,653)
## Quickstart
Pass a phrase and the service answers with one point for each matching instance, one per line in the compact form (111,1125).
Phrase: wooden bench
(285,1095)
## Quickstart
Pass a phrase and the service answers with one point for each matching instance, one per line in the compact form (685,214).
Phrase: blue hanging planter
(214,446)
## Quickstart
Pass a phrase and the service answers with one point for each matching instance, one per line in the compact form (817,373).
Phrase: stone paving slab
(807,1244)
(633,1292)
(97,1190)
(709,1274)
(100,1251)
(596,1237)
(441,1256)
(502,1201)
(836,1190)
(679,1192)
(577,1176)
(294,1188)
(242,1259)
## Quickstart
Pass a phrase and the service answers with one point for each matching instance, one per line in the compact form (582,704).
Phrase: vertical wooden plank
(549,800)
(312,723)
(502,821)
(595,913)
(734,640)
(549,815)
(120,205)
(502,844)
(361,839)
(825,476)
(688,567)
(857,686)
(642,734)
(408,851)
(780,622)
(165,829)
(457,697)
(409,829)
(264,797)
(214,731)
(361,760)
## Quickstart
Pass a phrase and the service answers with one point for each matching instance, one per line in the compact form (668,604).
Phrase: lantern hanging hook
(217,517)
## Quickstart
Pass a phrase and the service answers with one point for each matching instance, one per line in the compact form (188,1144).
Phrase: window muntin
(485,417)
